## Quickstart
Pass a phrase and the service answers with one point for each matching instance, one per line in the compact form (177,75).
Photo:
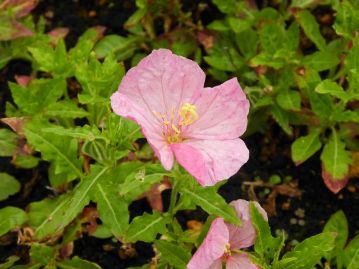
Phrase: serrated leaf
(337,224)
(53,60)
(146,227)
(59,150)
(311,28)
(76,263)
(309,252)
(211,202)
(7,142)
(8,186)
(335,158)
(305,146)
(175,255)
(289,100)
(10,218)
(112,208)
(39,94)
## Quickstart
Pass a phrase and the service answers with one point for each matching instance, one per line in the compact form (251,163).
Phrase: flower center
(172,128)
(227,252)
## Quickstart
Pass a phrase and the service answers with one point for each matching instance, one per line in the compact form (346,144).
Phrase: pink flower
(180,118)
(224,241)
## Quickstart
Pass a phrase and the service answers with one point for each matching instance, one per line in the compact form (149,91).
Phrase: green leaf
(271,37)
(351,254)
(10,218)
(305,146)
(114,44)
(338,225)
(302,3)
(76,263)
(42,254)
(211,202)
(52,60)
(226,60)
(282,118)
(321,105)
(174,254)
(46,215)
(146,227)
(28,266)
(311,28)
(26,161)
(268,60)
(329,87)
(59,150)
(266,246)
(335,158)
(8,186)
(39,94)
(321,60)
(352,59)
(346,19)
(289,100)
(81,194)
(112,208)
(308,253)
(100,79)
(8,141)
(140,181)
(66,109)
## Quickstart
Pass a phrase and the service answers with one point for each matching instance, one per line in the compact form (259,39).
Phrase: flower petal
(159,84)
(240,261)
(210,161)
(162,81)
(222,112)
(212,247)
(243,236)
(125,107)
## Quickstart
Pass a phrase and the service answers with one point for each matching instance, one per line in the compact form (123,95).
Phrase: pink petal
(159,84)
(22,80)
(150,129)
(222,112)
(210,161)
(240,261)
(243,236)
(212,248)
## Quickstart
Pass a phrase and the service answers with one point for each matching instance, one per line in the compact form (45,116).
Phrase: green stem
(173,199)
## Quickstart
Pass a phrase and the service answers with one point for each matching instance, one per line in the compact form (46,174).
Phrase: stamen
(188,113)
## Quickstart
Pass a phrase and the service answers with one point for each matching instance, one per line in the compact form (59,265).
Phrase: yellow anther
(188,113)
